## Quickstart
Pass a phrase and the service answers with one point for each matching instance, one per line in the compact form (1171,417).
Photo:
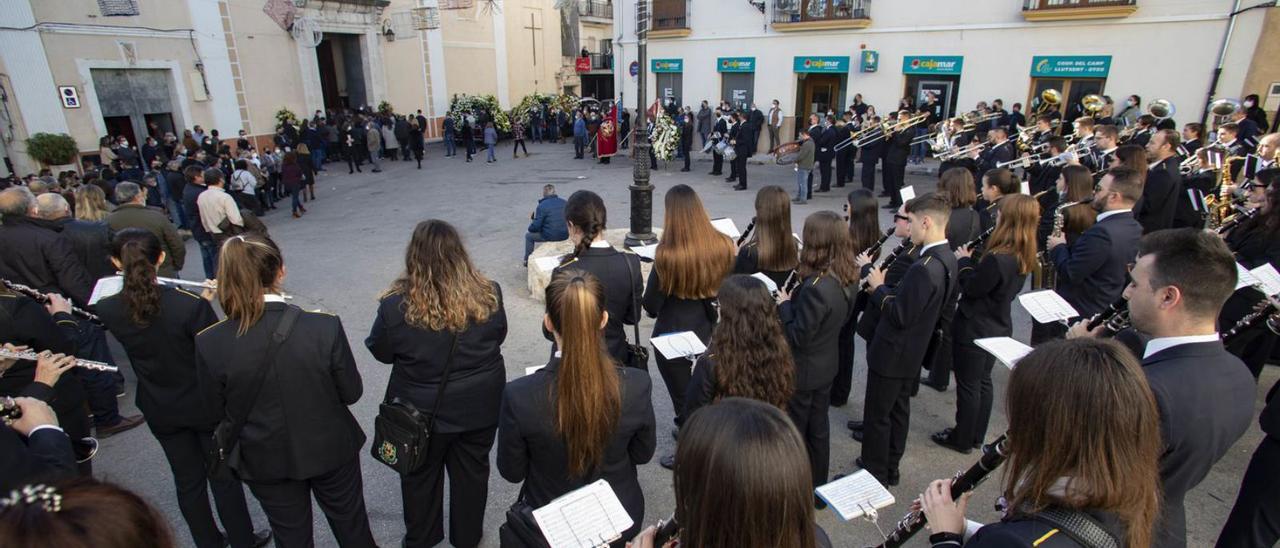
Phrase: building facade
(814,55)
(91,68)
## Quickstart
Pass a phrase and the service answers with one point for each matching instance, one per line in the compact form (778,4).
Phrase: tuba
(1092,104)
(1049,100)
(1222,108)
(1161,109)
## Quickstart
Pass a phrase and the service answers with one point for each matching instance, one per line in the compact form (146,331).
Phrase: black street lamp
(641,191)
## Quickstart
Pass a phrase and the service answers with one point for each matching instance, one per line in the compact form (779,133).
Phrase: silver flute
(33,355)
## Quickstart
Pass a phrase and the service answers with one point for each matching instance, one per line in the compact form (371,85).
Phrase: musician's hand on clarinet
(34,413)
(944,514)
(646,537)
(862,260)
(57,303)
(782,295)
(875,278)
(963,252)
(1081,329)
(1055,241)
(50,367)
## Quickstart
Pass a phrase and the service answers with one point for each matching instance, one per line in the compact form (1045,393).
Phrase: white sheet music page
(585,518)
(1270,279)
(673,346)
(1005,349)
(1245,278)
(725,226)
(106,287)
(646,251)
(547,264)
(1025,188)
(1047,306)
(854,494)
(907,193)
(768,282)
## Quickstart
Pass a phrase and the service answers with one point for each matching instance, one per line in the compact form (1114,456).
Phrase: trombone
(962,152)
(887,129)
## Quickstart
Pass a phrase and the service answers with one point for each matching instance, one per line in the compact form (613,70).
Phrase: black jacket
(987,290)
(909,313)
(37,254)
(1029,530)
(812,320)
(994,156)
(44,457)
(674,314)
(418,357)
(748,262)
(532,451)
(24,322)
(91,241)
(826,142)
(898,147)
(1186,213)
(1205,397)
(162,354)
(190,194)
(623,291)
(1093,271)
(1160,196)
(300,426)
(893,274)
(964,225)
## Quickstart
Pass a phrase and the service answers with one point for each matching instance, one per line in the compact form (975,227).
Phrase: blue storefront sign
(736,64)
(932,64)
(869,61)
(1070,66)
(667,65)
(821,64)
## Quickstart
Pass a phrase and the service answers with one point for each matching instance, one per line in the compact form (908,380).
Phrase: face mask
(1128,103)
(1248,104)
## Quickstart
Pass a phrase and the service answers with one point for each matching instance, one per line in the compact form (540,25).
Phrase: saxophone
(1220,206)
(1049,271)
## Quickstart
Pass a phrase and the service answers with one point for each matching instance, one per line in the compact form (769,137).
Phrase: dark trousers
(185,449)
(893,177)
(208,257)
(973,394)
(808,410)
(519,144)
(844,373)
(741,169)
(940,369)
(869,175)
(824,168)
(676,375)
(844,167)
(340,493)
(733,169)
(1255,519)
(67,403)
(687,155)
(579,147)
(354,160)
(717,163)
(465,455)
(100,387)
(886,416)
(1045,332)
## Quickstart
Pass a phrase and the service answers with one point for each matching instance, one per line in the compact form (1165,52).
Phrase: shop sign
(932,64)
(869,61)
(821,64)
(667,65)
(736,64)
(1070,66)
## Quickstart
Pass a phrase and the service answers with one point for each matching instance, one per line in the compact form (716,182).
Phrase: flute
(33,355)
(35,295)
(993,455)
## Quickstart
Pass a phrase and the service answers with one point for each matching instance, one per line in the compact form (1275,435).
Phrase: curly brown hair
(752,357)
(442,289)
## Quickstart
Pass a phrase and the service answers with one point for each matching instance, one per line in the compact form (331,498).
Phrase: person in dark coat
(609,406)
(131,213)
(896,152)
(686,139)
(720,132)
(547,221)
(744,145)
(291,177)
(870,157)
(89,239)
(416,142)
(34,449)
(1160,193)
(460,337)
(1255,518)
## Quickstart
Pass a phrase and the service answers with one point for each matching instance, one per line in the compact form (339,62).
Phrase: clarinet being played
(875,248)
(893,256)
(1113,320)
(33,355)
(1263,312)
(747,233)
(35,295)
(993,455)
(9,410)
(980,240)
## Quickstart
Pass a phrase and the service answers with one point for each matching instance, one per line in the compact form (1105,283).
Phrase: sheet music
(1047,306)
(853,495)
(106,287)
(768,282)
(584,518)
(1244,278)
(547,264)
(533,369)
(1025,188)
(1269,277)
(646,251)
(1005,349)
(684,344)
(907,193)
(725,226)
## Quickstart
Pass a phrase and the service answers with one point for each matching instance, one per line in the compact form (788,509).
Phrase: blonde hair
(248,268)
(442,289)
(91,203)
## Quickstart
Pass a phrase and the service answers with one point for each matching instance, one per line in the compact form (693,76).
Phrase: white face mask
(1248,104)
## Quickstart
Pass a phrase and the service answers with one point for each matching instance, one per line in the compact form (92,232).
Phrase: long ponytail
(247,269)
(586,211)
(138,251)
(587,393)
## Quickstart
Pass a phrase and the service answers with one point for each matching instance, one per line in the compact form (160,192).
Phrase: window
(118,7)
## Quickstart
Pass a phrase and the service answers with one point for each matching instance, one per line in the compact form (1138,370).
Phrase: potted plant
(57,151)
(285,115)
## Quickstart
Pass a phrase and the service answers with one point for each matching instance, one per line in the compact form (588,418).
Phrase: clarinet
(1262,312)
(1235,220)
(41,298)
(893,256)
(875,248)
(9,410)
(980,240)
(993,455)
(667,530)
(747,233)
(791,282)
(1114,319)
(33,355)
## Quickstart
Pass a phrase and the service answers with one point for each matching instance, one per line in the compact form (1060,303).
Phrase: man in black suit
(844,156)
(1092,271)
(1204,394)
(815,132)
(1106,139)
(1001,150)
(826,152)
(871,154)
(896,152)
(735,126)
(910,313)
(1164,182)
(719,133)
(34,449)
(744,145)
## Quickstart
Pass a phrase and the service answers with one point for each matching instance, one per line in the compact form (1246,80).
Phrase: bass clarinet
(35,295)
(993,455)
(33,355)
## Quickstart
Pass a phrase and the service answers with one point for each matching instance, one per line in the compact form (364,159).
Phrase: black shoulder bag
(637,354)
(401,433)
(227,434)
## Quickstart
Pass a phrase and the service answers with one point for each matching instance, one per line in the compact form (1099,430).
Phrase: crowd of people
(1112,419)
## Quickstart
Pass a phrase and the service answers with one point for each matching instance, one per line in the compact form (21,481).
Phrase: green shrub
(52,148)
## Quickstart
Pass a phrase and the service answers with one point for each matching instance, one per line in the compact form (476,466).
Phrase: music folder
(673,346)
(646,252)
(547,264)
(587,517)
(725,226)
(855,495)
(1047,306)
(1005,349)
(768,282)
(106,287)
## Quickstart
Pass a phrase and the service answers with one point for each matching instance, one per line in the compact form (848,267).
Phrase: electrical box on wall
(1272,102)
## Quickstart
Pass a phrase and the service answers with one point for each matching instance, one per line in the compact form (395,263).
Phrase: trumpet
(962,151)
(33,355)
(35,295)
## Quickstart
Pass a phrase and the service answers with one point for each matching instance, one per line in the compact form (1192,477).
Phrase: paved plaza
(350,246)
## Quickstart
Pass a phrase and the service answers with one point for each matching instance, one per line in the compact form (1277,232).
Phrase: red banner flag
(607,138)
(583,64)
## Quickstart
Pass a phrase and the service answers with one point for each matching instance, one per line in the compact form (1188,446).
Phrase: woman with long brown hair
(1075,184)
(812,318)
(157,326)
(1133,157)
(281,380)
(987,289)
(441,324)
(864,231)
(772,250)
(692,260)
(580,418)
(1083,443)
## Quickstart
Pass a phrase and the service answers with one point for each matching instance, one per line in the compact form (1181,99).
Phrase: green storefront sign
(736,64)
(667,65)
(932,64)
(1070,66)
(869,61)
(821,64)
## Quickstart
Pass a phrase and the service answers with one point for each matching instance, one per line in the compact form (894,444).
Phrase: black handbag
(520,529)
(637,354)
(402,433)
(227,434)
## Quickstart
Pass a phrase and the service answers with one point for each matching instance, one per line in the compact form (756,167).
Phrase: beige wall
(1265,66)
(160,14)
(532,64)
(469,52)
(269,69)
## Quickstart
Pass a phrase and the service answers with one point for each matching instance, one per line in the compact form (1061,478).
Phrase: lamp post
(641,191)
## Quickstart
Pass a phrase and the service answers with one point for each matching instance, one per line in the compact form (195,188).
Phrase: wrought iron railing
(801,11)
(671,14)
(593,8)
(1032,5)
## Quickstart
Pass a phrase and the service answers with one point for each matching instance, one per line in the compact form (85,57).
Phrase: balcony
(1069,10)
(800,15)
(601,61)
(594,11)
(670,19)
